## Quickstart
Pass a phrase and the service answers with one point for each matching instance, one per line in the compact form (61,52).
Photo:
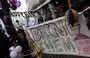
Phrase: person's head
(21,34)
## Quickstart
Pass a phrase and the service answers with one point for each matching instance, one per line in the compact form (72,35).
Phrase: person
(24,43)
(49,15)
(52,10)
(43,14)
(4,44)
(36,15)
(30,21)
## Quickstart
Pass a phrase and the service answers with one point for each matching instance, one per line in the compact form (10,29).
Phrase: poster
(58,37)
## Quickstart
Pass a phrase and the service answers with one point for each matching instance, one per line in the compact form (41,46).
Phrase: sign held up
(55,37)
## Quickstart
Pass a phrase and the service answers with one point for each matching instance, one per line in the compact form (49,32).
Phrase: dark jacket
(4,46)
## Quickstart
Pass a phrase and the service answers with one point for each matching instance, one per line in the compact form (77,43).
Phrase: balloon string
(79,28)
(70,4)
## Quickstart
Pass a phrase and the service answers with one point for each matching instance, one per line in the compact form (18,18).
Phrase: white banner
(58,37)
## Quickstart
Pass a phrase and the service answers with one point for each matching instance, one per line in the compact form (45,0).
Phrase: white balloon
(11,48)
(13,54)
(18,49)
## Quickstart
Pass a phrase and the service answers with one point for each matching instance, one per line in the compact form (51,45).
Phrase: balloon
(18,4)
(18,49)
(13,54)
(11,48)
(14,2)
(71,16)
(13,7)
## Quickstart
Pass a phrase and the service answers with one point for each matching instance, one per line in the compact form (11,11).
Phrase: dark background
(78,5)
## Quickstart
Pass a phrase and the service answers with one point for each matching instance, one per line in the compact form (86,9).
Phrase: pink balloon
(18,4)
(11,48)
(18,49)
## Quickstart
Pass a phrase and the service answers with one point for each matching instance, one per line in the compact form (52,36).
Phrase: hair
(21,31)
